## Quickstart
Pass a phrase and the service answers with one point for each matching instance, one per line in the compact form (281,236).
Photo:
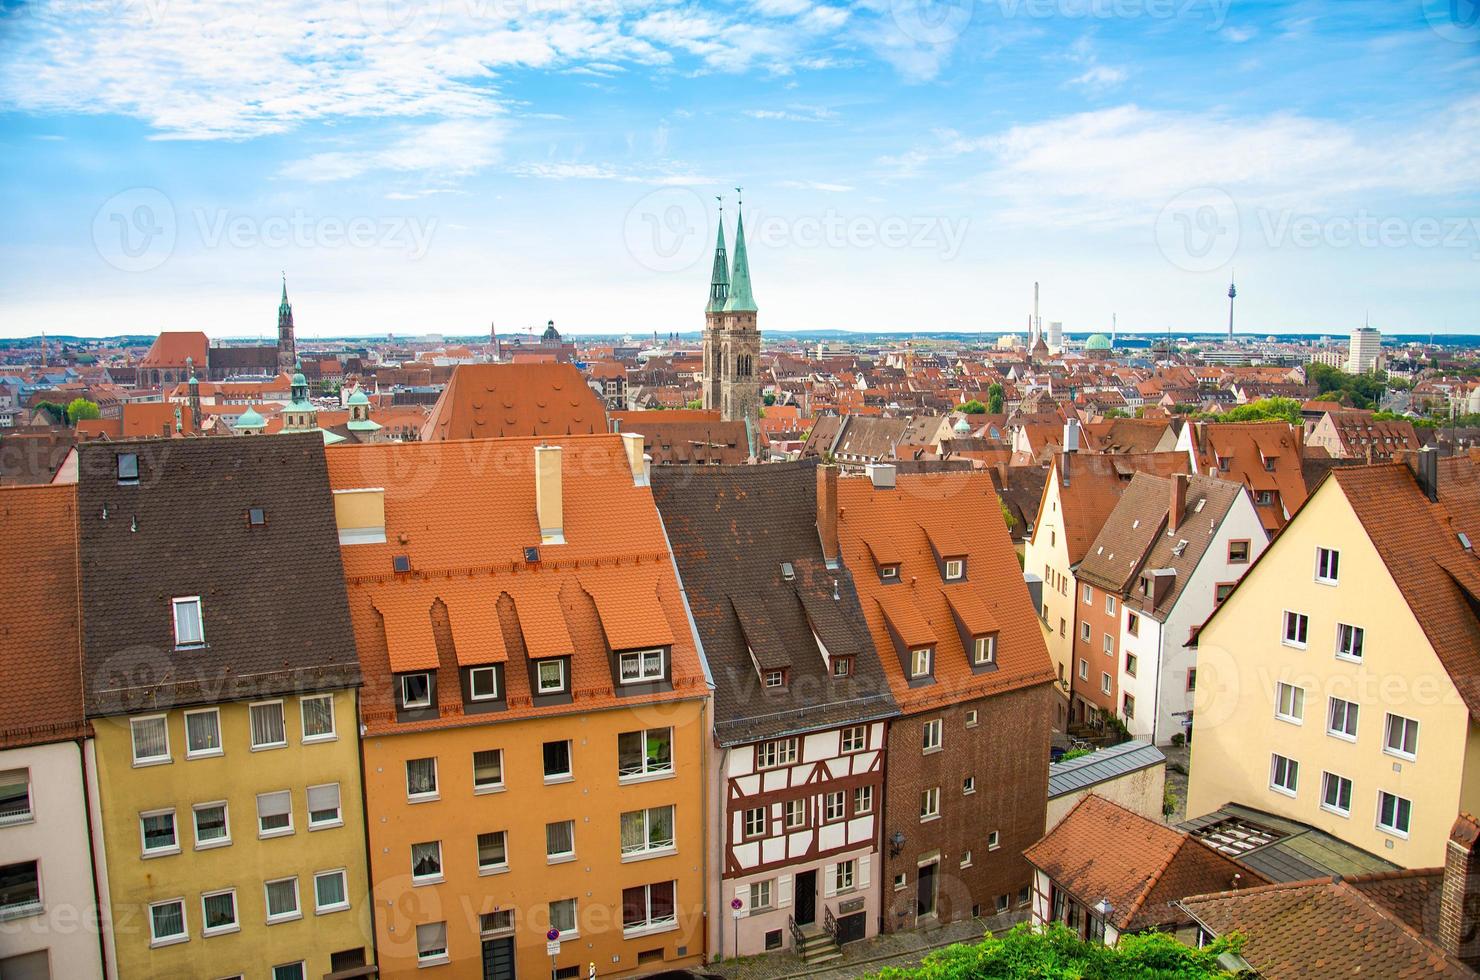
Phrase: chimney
(827,513)
(636,461)
(1425,466)
(1071,435)
(881,475)
(1459,894)
(1178,503)
(549,497)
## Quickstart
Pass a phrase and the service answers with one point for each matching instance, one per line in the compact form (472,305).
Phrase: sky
(437,166)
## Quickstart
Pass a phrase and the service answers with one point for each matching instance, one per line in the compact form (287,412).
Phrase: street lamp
(896,843)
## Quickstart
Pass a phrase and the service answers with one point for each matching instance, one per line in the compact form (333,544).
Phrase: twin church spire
(732,341)
(729,285)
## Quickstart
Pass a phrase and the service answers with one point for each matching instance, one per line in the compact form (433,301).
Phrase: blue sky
(434,165)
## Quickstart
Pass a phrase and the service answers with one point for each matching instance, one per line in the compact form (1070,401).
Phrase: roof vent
(1464,541)
(401,564)
(788,573)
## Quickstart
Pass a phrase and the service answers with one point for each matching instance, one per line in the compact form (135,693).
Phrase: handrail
(797,939)
(829,924)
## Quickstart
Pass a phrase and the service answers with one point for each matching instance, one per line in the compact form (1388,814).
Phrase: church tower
(287,347)
(732,342)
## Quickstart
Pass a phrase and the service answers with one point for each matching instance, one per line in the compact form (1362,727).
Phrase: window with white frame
(483,683)
(931,734)
(761,893)
(863,800)
(1328,565)
(921,660)
(551,676)
(488,770)
(426,861)
(158,833)
(968,786)
(290,971)
(1401,737)
(15,796)
(323,807)
(330,892)
(431,942)
(189,628)
(971,718)
(1284,774)
(648,907)
(1086,631)
(984,650)
(755,822)
(1297,626)
(834,806)
(1083,669)
(493,851)
(218,913)
(167,922)
(274,813)
(777,752)
(1089,595)
(794,814)
(282,899)
(557,760)
(1289,703)
(1108,643)
(647,831)
(202,733)
(775,678)
(843,875)
(416,691)
(930,803)
(1341,719)
(317,714)
(955,568)
(1393,813)
(1336,794)
(966,859)
(151,737)
(645,753)
(268,729)
(212,828)
(1104,683)
(560,840)
(421,779)
(563,914)
(1349,640)
(640,666)
(1109,604)
(994,840)
(855,738)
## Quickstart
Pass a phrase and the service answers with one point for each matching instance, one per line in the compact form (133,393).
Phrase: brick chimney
(549,495)
(1178,503)
(1459,895)
(827,513)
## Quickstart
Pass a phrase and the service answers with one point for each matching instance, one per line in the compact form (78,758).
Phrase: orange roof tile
(407,620)
(498,400)
(627,602)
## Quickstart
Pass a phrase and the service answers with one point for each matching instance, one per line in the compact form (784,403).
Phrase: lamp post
(736,911)
(1103,908)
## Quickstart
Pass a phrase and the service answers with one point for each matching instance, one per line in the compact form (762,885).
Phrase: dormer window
(984,650)
(416,690)
(1269,464)
(640,666)
(189,629)
(551,676)
(1145,585)
(842,667)
(128,469)
(889,573)
(955,569)
(774,678)
(483,684)
(922,661)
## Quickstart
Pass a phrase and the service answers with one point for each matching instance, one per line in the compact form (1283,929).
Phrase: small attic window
(1464,541)
(889,573)
(788,573)
(1199,507)
(256,516)
(1179,547)
(1135,523)
(401,564)
(128,468)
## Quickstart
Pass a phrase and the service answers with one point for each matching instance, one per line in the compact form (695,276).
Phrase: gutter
(365,818)
(92,864)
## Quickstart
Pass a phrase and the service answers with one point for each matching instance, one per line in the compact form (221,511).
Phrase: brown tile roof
(1102,850)
(1123,435)
(1238,451)
(170,349)
(463,513)
(485,401)
(1090,485)
(690,442)
(965,503)
(39,620)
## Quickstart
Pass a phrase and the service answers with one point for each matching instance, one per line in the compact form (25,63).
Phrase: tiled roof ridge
(1388,915)
(513,567)
(1154,877)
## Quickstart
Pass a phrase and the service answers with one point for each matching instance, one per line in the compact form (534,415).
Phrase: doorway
(925,896)
(806,898)
(498,958)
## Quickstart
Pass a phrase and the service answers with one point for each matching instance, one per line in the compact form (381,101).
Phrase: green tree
(1274,409)
(1058,954)
(1356,390)
(696,403)
(973,407)
(81,408)
(996,399)
(1116,413)
(57,412)
(1006,513)
(768,398)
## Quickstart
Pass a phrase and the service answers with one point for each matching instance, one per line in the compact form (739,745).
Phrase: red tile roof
(1094,485)
(171,348)
(484,401)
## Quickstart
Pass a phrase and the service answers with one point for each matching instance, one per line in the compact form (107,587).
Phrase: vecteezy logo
(401,20)
(1454,20)
(666,230)
(134,230)
(931,21)
(1198,230)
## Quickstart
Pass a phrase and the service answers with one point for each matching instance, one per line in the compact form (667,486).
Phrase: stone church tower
(732,344)
(287,347)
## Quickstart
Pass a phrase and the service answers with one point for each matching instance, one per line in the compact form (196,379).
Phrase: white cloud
(440,152)
(551,170)
(792,113)
(1238,35)
(815,185)
(1100,76)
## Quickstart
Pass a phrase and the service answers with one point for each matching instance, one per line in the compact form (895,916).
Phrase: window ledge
(931,751)
(22,911)
(315,739)
(273,920)
(221,930)
(497,869)
(436,879)
(17,820)
(269,748)
(326,825)
(648,930)
(331,909)
(556,780)
(443,960)
(1282,791)
(646,777)
(423,798)
(1293,645)
(1393,753)
(1343,736)
(160,852)
(560,859)
(268,834)
(205,754)
(145,763)
(649,855)
(210,844)
(172,941)
(1392,832)
(1346,814)
(488,790)
(933,817)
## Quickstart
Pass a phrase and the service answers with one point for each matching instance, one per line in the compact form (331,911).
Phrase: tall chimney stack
(1178,503)
(1459,894)
(636,460)
(549,495)
(827,513)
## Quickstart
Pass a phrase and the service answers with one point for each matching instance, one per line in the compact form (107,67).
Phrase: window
(421,779)
(1108,643)
(993,841)
(1336,794)
(483,684)
(268,730)
(775,678)
(431,942)
(426,861)
(1128,707)
(416,690)
(1289,703)
(1084,670)
(329,891)
(488,770)
(1109,605)
(274,814)
(834,806)
(1238,552)
(317,714)
(1341,719)
(755,822)
(1132,624)
(900,881)
(920,661)
(931,735)
(842,666)
(494,923)
(1222,591)
(211,827)
(1284,774)
(493,851)
(563,917)
(648,907)
(1104,683)
(647,831)
(863,800)
(965,859)
(560,840)
(984,650)
(189,631)
(323,806)
(1393,813)
(151,740)
(167,922)
(1086,632)
(1296,627)
(202,733)
(780,752)
(968,786)
(843,873)
(1349,641)
(638,666)
(794,814)
(645,753)
(551,676)
(157,829)
(128,468)
(1328,565)
(289,971)
(955,568)
(1191,679)
(1089,595)
(15,796)
(855,738)
(1130,664)
(282,899)
(760,896)
(256,516)
(557,760)
(1401,738)
(1265,498)
(971,715)
(218,912)
(889,572)
(930,804)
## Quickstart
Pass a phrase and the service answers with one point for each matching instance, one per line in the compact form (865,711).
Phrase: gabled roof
(1245,449)
(171,348)
(485,401)
(1090,485)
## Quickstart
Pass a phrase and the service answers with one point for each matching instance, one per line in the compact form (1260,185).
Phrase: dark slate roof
(1279,848)
(730,528)
(1098,767)
(273,598)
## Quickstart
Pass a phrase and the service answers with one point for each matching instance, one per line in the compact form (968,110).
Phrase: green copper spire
(283,307)
(719,280)
(740,299)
